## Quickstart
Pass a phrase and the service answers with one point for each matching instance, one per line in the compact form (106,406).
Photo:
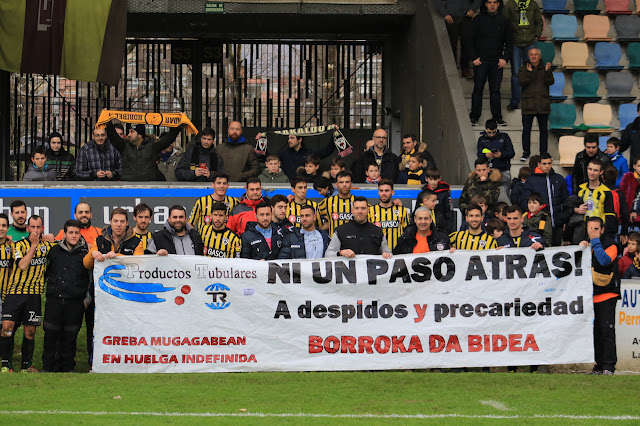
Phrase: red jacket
(629,187)
(242,214)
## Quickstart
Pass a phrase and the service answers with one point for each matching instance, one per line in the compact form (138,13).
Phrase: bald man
(380,154)
(240,161)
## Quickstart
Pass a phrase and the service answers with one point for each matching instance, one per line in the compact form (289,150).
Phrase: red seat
(617,7)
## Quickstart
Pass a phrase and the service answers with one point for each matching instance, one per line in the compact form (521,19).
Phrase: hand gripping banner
(169,119)
(340,141)
(466,309)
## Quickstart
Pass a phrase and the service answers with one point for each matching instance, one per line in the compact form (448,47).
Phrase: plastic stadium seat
(564,27)
(548,51)
(617,7)
(575,55)
(627,28)
(556,90)
(568,147)
(633,54)
(602,142)
(585,7)
(546,30)
(585,86)
(562,118)
(626,114)
(596,28)
(619,85)
(597,118)
(554,6)
(608,56)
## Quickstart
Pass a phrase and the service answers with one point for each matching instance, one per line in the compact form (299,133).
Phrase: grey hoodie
(34,174)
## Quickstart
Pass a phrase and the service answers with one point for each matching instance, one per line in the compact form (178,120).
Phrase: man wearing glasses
(380,154)
(490,48)
(496,146)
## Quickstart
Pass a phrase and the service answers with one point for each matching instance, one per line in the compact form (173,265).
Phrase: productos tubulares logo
(135,292)
(219,294)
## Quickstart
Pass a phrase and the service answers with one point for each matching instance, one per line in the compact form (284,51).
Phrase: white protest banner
(471,309)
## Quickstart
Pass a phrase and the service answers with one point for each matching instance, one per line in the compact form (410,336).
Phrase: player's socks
(5,350)
(27,352)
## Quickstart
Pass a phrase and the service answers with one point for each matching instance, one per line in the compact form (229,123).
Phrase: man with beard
(18,230)
(337,208)
(391,218)
(219,241)
(200,214)
(306,242)
(84,215)
(473,238)
(142,217)
(177,237)
(98,159)
(262,239)
(244,212)
(240,161)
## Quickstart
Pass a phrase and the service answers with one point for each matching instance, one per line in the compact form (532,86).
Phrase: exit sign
(213,6)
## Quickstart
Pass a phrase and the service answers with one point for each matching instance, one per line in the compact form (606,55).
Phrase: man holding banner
(473,238)
(423,236)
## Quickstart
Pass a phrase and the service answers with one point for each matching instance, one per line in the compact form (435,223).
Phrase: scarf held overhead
(169,119)
(342,144)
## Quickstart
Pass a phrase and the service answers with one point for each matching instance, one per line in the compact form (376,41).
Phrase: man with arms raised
(358,236)
(23,300)
(200,214)
(177,237)
(422,236)
(219,241)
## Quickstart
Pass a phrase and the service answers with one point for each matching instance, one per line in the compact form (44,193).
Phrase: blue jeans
(519,57)
(486,70)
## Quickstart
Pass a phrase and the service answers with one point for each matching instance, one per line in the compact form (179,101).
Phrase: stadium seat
(617,7)
(562,118)
(627,27)
(575,55)
(608,56)
(568,147)
(633,54)
(596,28)
(602,142)
(597,118)
(554,6)
(585,7)
(564,28)
(548,51)
(585,86)
(556,90)
(546,30)
(626,114)
(619,86)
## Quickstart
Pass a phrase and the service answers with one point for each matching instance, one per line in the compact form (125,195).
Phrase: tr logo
(219,296)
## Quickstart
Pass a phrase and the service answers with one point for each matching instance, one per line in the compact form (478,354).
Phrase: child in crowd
(444,209)
(496,228)
(429,199)
(272,173)
(324,187)
(415,175)
(613,151)
(630,253)
(517,185)
(372,173)
(537,218)
(337,166)
(500,209)
(311,169)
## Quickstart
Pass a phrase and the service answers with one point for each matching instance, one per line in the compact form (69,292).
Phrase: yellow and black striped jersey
(293,212)
(30,281)
(144,238)
(202,209)
(392,220)
(463,240)
(6,262)
(221,244)
(337,211)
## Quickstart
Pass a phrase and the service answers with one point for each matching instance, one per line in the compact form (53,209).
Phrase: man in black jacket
(293,155)
(516,234)
(261,240)
(358,236)
(306,242)
(200,162)
(591,150)
(380,154)
(177,236)
(430,237)
(67,298)
(631,138)
(489,48)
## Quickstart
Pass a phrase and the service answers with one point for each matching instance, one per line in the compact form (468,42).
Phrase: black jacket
(501,142)
(553,189)
(389,167)
(254,245)
(437,240)
(631,138)
(517,191)
(193,158)
(445,217)
(527,239)
(63,162)
(293,244)
(67,278)
(362,238)
(579,173)
(490,37)
(163,239)
(292,159)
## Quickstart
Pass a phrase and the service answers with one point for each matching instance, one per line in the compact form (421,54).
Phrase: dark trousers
(89,320)
(604,335)
(487,70)
(62,322)
(556,236)
(527,123)
(459,30)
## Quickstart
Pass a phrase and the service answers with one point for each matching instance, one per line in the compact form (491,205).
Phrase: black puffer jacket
(579,173)
(67,278)
(437,240)
(254,245)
